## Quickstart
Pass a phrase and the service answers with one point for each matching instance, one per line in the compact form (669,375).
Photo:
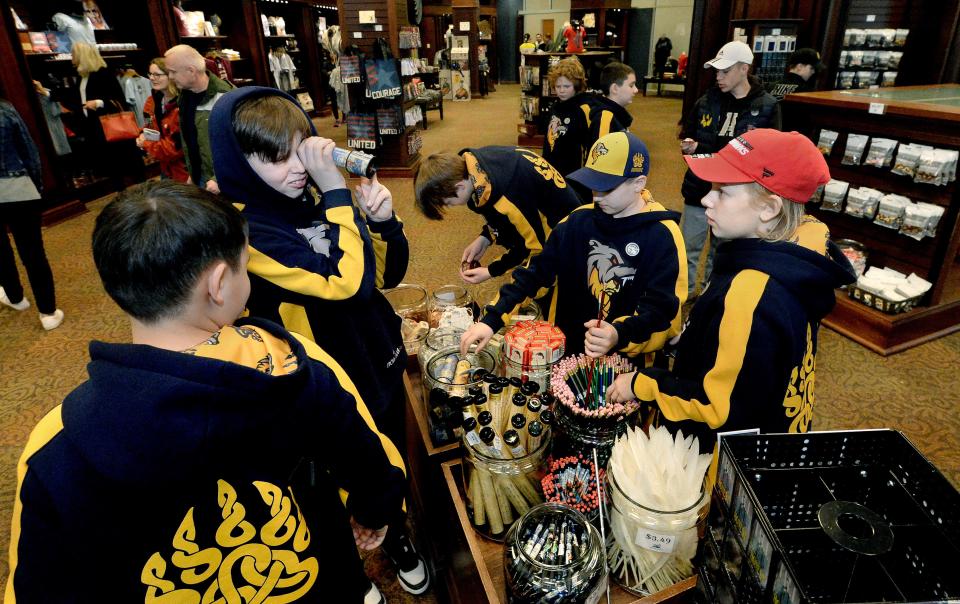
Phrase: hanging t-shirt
(136,90)
(78,30)
(574,38)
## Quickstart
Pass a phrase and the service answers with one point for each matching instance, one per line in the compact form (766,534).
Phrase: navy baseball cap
(613,159)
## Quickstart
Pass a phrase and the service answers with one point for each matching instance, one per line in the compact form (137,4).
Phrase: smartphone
(150,134)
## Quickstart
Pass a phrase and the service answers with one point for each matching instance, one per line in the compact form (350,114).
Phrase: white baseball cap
(730,54)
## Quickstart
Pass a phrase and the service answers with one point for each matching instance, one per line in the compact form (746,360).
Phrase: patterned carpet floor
(912,391)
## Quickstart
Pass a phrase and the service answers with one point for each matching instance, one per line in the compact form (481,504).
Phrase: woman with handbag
(161,138)
(99,95)
(20,207)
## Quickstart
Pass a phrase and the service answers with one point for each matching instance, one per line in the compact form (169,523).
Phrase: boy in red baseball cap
(746,357)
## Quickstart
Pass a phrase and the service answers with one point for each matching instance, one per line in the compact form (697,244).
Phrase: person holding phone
(161,138)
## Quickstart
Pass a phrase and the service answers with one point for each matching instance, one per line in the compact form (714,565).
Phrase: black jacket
(316,263)
(607,116)
(171,475)
(567,140)
(790,84)
(718,117)
(101,85)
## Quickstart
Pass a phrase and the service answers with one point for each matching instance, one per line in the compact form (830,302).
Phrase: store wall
(535,11)
(507,42)
(671,18)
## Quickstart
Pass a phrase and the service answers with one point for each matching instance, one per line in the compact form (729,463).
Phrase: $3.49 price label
(654,541)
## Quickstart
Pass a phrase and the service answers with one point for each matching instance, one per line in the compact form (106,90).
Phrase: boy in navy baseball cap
(618,263)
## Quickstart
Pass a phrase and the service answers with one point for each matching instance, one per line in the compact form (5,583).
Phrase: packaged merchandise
(894,61)
(889,290)
(856,145)
(862,202)
(873,38)
(932,213)
(869,59)
(826,141)
(890,211)
(868,78)
(844,58)
(883,58)
(914,223)
(900,39)
(855,252)
(834,192)
(888,79)
(817,195)
(881,153)
(936,167)
(845,79)
(908,156)
(887,37)
(855,58)
(854,37)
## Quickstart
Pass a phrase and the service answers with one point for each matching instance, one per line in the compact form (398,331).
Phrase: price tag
(358,34)
(876,108)
(654,541)
(775,32)
(871,18)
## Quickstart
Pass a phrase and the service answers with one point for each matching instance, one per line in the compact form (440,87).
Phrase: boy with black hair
(621,255)
(802,66)
(747,355)
(519,194)
(737,104)
(204,459)
(608,113)
(316,259)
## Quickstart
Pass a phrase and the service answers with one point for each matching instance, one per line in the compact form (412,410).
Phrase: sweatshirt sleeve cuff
(492,320)
(496,268)
(386,226)
(337,198)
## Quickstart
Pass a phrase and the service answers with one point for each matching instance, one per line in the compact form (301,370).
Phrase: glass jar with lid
(553,554)
(450,306)
(409,301)
(437,340)
(450,375)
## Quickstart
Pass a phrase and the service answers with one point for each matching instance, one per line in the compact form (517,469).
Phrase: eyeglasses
(157,75)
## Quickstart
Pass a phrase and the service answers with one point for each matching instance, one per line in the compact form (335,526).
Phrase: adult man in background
(737,103)
(199,92)
(802,66)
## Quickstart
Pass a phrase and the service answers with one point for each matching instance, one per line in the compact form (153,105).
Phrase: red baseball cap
(787,163)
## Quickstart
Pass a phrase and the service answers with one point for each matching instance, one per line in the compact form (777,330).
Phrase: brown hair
(786,223)
(571,69)
(161,64)
(437,180)
(613,73)
(265,126)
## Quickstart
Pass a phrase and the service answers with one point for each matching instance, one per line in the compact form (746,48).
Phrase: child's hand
(599,340)
(475,275)
(479,333)
(688,146)
(316,154)
(367,538)
(476,249)
(374,199)
(622,389)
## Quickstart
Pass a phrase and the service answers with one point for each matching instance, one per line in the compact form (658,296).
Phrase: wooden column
(468,11)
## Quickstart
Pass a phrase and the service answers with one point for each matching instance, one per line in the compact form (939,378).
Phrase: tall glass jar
(553,554)
(440,384)
(450,306)
(437,340)
(499,491)
(410,303)
(529,310)
(649,550)
(576,433)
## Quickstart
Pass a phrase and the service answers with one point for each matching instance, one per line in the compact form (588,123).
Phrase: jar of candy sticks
(448,376)
(584,419)
(553,554)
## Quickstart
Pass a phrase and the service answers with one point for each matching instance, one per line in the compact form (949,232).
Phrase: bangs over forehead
(266,127)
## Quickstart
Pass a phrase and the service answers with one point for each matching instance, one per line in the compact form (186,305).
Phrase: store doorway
(546,28)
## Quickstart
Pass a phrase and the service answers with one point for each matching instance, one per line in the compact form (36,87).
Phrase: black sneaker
(411,567)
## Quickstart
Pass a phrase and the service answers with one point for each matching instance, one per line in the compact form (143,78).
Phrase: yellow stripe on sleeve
(380,254)
(605,119)
(739,305)
(302,281)
(43,433)
(520,222)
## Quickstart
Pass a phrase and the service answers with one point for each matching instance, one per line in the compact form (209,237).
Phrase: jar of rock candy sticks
(553,554)
(501,476)
(450,375)
(584,419)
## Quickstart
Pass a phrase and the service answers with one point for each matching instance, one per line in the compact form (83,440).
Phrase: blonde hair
(785,225)
(161,64)
(87,58)
(569,68)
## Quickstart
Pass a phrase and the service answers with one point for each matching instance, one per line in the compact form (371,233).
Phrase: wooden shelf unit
(934,259)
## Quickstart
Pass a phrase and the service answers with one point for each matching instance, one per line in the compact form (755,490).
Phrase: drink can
(357,163)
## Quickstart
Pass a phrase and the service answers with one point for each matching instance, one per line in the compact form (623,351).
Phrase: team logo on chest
(607,273)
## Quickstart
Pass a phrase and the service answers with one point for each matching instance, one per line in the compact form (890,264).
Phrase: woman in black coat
(99,93)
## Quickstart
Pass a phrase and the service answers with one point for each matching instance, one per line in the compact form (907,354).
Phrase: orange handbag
(120,126)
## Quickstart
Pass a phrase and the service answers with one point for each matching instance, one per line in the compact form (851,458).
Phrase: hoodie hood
(237,180)
(811,277)
(178,415)
(619,112)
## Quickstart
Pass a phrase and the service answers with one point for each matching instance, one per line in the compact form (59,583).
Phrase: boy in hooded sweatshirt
(621,255)
(519,194)
(747,355)
(609,112)
(204,459)
(317,259)
(737,104)
(567,139)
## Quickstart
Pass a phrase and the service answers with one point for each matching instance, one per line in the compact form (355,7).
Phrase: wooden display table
(928,115)
(477,571)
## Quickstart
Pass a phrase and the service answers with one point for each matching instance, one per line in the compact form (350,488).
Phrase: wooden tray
(479,568)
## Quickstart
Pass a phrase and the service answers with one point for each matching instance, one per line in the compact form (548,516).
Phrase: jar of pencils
(658,509)
(448,376)
(530,350)
(502,475)
(584,419)
(553,554)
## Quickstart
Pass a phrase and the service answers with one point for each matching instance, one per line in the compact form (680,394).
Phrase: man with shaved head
(199,92)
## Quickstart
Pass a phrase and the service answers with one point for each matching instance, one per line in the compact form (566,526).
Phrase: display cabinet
(771,40)
(928,115)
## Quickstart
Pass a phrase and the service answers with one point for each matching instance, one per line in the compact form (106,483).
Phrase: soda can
(357,163)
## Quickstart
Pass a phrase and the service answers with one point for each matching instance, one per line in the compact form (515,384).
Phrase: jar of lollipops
(584,419)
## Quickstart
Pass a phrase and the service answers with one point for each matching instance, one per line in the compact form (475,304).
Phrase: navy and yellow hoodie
(316,263)
(521,196)
(607,116)
(747,356)
(637,261)
(567,140)
(212,474)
